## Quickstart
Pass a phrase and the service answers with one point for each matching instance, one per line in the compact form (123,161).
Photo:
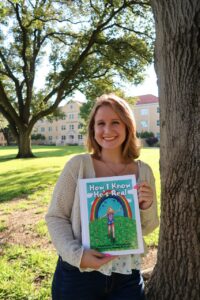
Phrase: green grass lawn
(26,267)
(21,177)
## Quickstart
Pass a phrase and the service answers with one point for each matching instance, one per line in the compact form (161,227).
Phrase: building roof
(147,99)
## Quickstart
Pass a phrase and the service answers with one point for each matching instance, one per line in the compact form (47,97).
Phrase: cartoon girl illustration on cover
(110,222)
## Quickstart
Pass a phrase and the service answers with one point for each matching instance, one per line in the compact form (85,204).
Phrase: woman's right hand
(94,259)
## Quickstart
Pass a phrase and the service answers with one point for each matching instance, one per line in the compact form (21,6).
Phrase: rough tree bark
(177,60)
(24,144)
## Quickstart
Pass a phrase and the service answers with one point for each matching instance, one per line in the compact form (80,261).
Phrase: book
(110,217)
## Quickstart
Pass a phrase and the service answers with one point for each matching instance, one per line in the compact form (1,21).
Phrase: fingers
(94,259)
(145,195)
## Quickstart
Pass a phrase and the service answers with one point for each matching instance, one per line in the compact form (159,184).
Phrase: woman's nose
(107,128)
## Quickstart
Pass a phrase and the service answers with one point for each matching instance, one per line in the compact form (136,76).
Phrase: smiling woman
(114,148)
(110,131)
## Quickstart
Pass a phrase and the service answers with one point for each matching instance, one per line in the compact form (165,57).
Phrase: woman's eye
(115,122)
(100,123)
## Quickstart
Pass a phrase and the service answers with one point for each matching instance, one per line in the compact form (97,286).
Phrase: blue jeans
(71,284)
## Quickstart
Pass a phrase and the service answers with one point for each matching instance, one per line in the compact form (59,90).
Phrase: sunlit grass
(21,177)
(26,272)
(3,225)
(41,229)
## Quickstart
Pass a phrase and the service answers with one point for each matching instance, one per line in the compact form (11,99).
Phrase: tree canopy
(96,88)
(67,45)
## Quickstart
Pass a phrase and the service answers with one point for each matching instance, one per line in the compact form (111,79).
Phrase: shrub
(38,136)
(151,141)
(145,134)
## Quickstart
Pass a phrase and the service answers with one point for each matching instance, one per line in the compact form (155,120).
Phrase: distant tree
(4,128)
(145,134)
(3,122)
(37,136)
(151,141)
(78,41)
(96,88)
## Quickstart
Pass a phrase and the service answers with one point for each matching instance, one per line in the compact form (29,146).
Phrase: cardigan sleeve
(149,217)
(58,217)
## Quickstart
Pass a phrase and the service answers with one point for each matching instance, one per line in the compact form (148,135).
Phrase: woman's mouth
(109,138)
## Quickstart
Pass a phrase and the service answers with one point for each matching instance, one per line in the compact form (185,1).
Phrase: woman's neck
(112,156)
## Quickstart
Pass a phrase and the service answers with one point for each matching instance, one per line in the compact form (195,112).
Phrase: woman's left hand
(145,195)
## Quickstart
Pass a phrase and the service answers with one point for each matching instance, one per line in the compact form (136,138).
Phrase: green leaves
(69,45)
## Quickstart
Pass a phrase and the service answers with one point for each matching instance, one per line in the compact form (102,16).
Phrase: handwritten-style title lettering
(109,189)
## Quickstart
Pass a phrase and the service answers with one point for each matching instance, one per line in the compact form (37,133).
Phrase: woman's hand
(94,259)
(145,195)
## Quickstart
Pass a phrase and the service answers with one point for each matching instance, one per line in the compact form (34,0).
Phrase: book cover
(110,217)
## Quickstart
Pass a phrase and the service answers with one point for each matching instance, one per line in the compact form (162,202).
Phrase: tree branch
(91,42)
(10,121)
(5,103)
(29,79)
(132,30)
(93,7)
(12,77)
(62,86)
(7,68)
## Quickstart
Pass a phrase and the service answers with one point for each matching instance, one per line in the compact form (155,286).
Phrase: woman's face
(109,130)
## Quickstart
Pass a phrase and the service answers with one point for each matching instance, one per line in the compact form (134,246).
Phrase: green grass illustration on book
(125,235)
(114,230)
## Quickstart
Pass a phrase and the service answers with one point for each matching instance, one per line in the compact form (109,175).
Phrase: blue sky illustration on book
(103,195)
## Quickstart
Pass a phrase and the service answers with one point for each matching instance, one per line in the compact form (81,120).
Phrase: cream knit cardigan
(63,216)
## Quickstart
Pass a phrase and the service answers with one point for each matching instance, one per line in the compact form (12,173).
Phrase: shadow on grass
(60,152)
(7,157)
(21,180)
(15,184)
(41,151)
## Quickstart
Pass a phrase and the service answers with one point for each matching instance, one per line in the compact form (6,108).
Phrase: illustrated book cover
(110,217)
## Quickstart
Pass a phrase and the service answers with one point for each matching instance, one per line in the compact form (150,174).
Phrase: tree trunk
(6,137)
(177,60)
(24,144)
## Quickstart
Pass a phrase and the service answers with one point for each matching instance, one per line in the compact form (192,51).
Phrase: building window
(63,118)
(144,124)
(50,128)
(63,137)
(71,106)
(71,116)
(158,135)
(63,127)
(158,109)
(71,137)
(80,137)
(42,129)
(158,122)
(144,112)
(50,138)
(80,126)
(71,126)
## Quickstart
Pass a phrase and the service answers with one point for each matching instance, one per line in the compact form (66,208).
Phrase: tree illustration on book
(110,215)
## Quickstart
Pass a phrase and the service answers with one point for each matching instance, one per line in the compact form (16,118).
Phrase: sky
(149,86)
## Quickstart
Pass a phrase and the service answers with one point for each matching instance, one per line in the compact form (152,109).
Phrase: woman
(88,274)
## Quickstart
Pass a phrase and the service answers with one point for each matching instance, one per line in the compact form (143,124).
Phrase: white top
(63,217)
